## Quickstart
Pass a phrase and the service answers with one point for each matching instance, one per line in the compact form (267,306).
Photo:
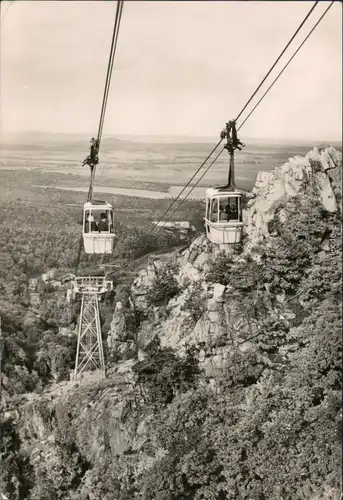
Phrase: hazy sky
(182,68)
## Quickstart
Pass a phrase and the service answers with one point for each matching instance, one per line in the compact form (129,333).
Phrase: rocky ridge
(222,322)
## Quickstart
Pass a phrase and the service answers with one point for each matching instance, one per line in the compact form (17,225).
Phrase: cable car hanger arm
(232,143)
(230,134)
(93,157)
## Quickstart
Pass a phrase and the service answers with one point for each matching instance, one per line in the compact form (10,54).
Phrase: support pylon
(89,351)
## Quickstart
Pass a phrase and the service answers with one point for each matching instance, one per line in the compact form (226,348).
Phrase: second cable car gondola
(224,214)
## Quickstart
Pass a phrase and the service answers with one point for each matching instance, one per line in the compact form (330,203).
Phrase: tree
(165,285)
(162,374)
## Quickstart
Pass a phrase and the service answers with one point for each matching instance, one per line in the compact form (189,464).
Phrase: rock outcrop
(117,338)
(99,419)
(320,169)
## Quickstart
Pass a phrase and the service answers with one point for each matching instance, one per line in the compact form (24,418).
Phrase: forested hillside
(40,230)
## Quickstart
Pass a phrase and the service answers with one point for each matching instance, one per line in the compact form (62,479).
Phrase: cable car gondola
(98,230)
(97,221)
(224,214)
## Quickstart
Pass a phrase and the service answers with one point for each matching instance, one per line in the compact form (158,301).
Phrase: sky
(181,68)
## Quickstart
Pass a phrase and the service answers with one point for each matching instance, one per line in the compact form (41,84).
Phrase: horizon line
(171,136)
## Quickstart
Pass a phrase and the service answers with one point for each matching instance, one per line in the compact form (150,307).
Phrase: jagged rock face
(220,330)
(180,331)
(143,282)
(102,418)
(193,264)
(117,337)
(273,189)
(177,328)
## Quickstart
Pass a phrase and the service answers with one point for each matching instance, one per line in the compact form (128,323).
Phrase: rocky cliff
(320,170)
(91,440)
(221,317)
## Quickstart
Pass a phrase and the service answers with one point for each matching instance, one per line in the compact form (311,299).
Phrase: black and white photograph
(170,250)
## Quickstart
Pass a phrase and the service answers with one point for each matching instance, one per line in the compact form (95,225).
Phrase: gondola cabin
(224,216)
(98,229)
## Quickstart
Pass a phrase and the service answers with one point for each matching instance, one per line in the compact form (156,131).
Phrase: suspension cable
(278,59)
(184,199)
(188,183)
(125,266)
(92,160)
(283,69)
(116,27)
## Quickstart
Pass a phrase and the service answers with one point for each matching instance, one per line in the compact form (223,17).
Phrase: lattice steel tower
(89,352)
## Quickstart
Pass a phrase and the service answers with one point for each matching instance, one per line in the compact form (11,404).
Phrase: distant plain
(163,166)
